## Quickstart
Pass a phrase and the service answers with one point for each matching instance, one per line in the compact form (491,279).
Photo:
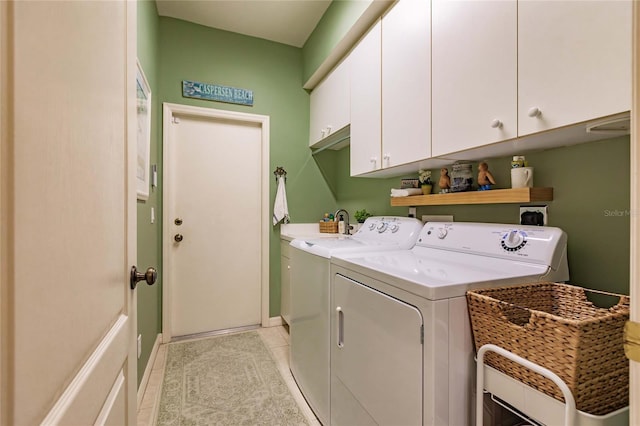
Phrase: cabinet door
(574,62)
(365,104)
(376,358)
(329,104)
(474,73)
(285,283)
(406,83)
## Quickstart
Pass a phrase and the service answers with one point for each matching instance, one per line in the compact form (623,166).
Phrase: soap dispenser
(341,225)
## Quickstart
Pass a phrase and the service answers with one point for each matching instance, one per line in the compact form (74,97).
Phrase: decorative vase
(426,189)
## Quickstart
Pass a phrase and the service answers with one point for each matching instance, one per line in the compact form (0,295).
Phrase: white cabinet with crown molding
(330,107)
(476,80)
(503,70)
(390,90)
(406,83)
(474,74)
(574,62)
(366,103)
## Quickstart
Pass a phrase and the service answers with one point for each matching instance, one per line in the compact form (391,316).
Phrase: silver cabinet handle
(149,276)
(340,314)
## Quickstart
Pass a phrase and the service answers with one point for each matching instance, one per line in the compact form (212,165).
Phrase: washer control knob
(382,227)
(372,226)
(513,240)
(395,227)
(442,233)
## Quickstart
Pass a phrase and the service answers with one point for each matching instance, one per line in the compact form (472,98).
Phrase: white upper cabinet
(474,73)
(574,62)
(329,106)
(365,64)
(441,80)
(406,83)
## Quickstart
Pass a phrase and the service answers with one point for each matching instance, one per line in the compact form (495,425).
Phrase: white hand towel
(405,192)
(280,208)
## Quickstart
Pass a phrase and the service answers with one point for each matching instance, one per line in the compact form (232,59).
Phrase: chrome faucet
(347,228)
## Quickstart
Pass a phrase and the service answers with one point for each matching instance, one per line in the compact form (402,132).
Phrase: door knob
(150,276)
(178,238)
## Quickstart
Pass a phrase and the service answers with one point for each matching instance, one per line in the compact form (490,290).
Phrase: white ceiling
(284,21)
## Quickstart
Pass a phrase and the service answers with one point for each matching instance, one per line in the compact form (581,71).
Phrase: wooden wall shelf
(492,196)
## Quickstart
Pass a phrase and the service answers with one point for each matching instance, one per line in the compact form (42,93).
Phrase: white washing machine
(310,298)
(401,344)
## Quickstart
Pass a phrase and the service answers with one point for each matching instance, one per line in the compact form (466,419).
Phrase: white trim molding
(147,370)
(110,353)
(275,321)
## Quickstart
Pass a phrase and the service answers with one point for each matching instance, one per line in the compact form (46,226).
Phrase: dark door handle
(149,276)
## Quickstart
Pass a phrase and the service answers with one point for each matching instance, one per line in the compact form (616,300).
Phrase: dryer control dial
(442,233)
(394,227)
(382,227)
(513,240)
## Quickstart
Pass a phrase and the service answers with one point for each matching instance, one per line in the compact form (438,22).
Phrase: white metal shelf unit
(531,402)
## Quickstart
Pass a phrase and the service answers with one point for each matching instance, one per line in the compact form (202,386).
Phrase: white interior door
(214,192)
(68,213)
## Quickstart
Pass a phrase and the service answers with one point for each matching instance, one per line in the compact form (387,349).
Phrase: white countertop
(291,231)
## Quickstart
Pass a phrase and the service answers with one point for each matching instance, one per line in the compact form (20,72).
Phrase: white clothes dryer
(401,344)
(310,298)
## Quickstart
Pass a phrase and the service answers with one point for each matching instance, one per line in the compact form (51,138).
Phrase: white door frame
(168,111)
(4,198)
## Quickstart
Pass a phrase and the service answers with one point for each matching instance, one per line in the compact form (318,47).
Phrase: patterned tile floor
(275,338)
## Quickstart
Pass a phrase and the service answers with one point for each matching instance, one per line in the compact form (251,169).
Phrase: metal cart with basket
(549,352)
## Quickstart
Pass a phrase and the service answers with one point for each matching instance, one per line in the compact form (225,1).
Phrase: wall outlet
(139,345)
(534,215)
(412,212)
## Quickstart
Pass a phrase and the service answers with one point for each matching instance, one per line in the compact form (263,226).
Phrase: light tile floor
(274,338)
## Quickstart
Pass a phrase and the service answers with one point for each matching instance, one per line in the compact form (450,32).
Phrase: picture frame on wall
(143,108)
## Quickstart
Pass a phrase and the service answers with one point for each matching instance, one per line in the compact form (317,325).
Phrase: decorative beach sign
(215,92)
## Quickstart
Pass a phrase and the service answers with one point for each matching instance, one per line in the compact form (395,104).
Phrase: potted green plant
(362,215)
(424,176)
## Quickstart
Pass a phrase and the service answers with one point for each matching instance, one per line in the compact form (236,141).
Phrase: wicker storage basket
(330,227)
(557,327)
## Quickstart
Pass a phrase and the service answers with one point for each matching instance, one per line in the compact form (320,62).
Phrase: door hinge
(175,120)
(422,334)
(631,337)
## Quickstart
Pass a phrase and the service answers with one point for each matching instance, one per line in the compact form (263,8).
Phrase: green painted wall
(591,203)
(274,72)
(332,27)
(150,235)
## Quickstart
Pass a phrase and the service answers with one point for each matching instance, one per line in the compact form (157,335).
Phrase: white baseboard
(148,368)
(275,321)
